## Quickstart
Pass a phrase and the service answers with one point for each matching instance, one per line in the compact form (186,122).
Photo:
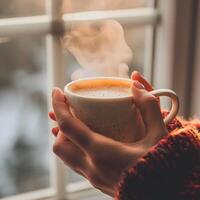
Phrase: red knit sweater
(170,170)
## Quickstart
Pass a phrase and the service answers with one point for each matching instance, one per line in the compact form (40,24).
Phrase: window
(21,8)
(32,62)
(24,125)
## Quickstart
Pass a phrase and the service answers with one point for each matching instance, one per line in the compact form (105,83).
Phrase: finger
(72,155)
(138,77)
(72,127)
(55,131)
(79,172)
(52,116)
(59,102)
(138,122)
(149,108)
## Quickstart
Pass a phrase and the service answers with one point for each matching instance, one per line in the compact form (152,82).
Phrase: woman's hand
(100,159)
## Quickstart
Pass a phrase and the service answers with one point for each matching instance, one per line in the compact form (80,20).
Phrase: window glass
(90,5)
(21,8)
(24,146)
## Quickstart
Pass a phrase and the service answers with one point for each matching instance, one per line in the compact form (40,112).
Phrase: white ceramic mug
(111,116)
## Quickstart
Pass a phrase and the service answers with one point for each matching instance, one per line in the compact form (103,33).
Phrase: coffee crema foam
(104,92)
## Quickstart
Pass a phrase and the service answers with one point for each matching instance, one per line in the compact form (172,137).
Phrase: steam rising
(100,48)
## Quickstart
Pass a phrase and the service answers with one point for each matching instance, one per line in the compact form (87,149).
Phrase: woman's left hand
(100,159)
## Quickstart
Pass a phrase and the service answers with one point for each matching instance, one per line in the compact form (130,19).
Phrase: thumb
(138,77)
(150,111)
(72,127)
(60,105)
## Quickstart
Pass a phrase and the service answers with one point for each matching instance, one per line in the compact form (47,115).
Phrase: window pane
(135,37)
(24,148)
(19,8)
(88,5)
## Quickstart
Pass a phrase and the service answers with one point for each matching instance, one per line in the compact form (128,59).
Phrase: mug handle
(175,103)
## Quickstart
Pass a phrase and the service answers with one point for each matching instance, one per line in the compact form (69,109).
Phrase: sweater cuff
(170,170)
(176,123)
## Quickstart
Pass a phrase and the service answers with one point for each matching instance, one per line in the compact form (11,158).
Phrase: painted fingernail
(136,72)
(54,90)
(55,131)
(138,85)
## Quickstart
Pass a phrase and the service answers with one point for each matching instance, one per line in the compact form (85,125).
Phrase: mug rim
(67,90)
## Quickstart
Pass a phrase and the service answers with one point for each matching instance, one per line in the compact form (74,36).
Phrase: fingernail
(55,89)
(52,116)
(135,74)
(138,85)
(55,131)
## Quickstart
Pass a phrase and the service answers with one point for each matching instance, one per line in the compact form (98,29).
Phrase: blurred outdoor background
(24,142)
(24,128)
(24,148)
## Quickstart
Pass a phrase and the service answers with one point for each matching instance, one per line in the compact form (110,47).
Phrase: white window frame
(173,59)
(195,97)
(53,25)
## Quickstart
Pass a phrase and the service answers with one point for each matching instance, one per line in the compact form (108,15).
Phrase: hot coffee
(105,104)
(104,92)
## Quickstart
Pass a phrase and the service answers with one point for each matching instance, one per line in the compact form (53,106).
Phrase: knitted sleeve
(169,171)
